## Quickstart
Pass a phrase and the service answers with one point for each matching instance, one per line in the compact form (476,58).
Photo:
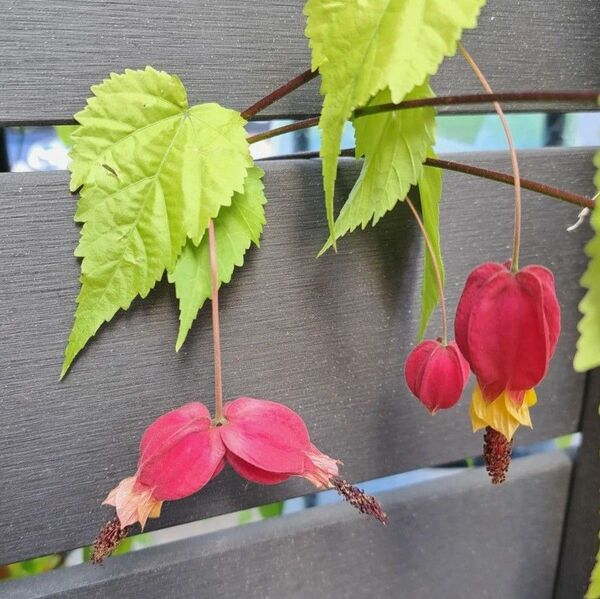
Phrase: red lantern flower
(507,326)
(264,441)
(436,374)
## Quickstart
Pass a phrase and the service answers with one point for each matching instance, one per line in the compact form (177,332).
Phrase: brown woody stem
(548,190)
(556,96)
(297,126)
(485,173)
(279,93)
(575,96)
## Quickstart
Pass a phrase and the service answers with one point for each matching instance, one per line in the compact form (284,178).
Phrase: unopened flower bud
(436,374)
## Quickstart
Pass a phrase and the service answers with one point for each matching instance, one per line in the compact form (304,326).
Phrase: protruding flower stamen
(365,504)
(497,451)
(108,540)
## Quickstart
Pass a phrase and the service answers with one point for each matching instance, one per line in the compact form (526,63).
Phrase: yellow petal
(148,507)
(500,414)
(530,398)
(155,512)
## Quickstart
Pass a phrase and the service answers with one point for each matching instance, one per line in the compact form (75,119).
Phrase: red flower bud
(507,326)
(436,374)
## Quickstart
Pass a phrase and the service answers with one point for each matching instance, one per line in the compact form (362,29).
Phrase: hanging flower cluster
(263,441)
(506,328)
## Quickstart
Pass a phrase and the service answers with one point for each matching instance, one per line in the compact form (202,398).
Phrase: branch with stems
(584,97)
(308,75)
(524,96)
(577,96)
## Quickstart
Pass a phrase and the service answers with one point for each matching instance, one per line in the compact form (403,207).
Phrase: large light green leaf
(153,173)
(588,345)
(394,145)
(236,227)
(364,46)
(430,192)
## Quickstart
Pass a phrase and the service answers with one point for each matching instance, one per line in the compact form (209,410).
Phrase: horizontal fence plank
(327,337)
(455,537)
(235,52)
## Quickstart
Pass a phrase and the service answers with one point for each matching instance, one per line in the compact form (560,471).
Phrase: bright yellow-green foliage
(236,227)
(588,345)
(362,47)
(154,171)
(64,133)
(394,145)
(593,591)
(430,192)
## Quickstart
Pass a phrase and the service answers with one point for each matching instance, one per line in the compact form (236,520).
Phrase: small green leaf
(34,566)
(364,46)
(64,133)
(236,227)
(153,173)
(271,510)
(245,517)
(430,192)
(593,590)
(394,145)
(588,344)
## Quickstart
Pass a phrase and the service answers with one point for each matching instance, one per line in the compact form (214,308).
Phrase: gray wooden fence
(327,337)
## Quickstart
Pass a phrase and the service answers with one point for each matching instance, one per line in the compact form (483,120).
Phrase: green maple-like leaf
(364,46)
(394,145)
(430,192)
(588,344)
(153,171)
(236,227)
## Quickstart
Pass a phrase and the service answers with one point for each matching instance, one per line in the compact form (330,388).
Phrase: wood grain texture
(327,337)
(456,537)
(236,52)
(580,542)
